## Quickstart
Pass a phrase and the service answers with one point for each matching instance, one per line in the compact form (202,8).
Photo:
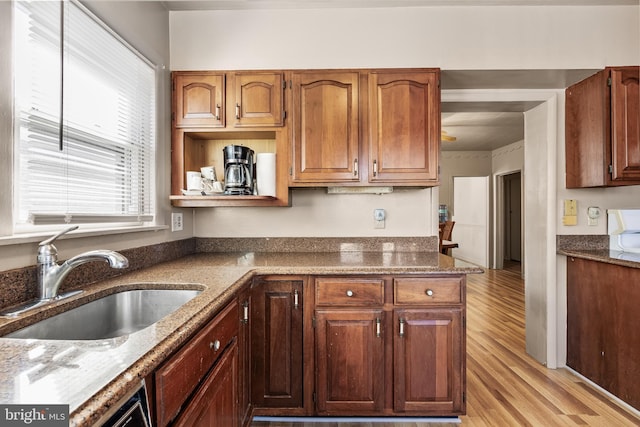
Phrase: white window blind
(85,117)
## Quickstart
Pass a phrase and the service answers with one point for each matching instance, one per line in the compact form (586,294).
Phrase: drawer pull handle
(401,331)
(245,312)
(215,345)
(217,111)
(296,302)
(429,292)
(349,293)
(237,111)
(378,327)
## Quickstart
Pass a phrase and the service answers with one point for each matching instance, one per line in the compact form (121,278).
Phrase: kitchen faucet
(50,274)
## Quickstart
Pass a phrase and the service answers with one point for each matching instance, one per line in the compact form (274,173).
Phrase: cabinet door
(258,99)
(199,99)
(585,325)
(244,357)
(349,361)
(215,403)
(404,131)
(602,338)
(326,135)
(428,361)
(625,123)
(276,344)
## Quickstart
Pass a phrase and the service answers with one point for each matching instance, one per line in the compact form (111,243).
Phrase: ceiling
(476,126)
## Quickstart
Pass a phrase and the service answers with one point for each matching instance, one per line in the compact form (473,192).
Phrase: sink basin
(111,316)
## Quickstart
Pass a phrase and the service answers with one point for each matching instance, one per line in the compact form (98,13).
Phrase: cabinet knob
(429,292)
(215,345)
(349,293)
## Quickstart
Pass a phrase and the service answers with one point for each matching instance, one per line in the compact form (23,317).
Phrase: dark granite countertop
(626,259)
(91,376)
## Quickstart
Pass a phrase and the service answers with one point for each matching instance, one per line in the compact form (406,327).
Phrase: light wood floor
(505,386)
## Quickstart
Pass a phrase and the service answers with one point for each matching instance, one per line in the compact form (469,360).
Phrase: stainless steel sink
(111,316)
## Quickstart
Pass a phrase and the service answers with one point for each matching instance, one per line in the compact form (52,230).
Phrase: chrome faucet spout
(51,275)
(114,259)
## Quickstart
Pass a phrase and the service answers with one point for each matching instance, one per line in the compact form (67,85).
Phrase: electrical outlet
(378,218)
(176,221)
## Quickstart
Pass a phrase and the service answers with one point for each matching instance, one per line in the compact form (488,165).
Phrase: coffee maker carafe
(238,170)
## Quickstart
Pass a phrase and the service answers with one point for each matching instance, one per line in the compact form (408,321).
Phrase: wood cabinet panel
(276,343)
(349,361)
(428,352)
(326,133)
(404,117)
(428,291)
(349,291)
(602,140)
(602,339)
(215,403)
(259,99)
(181,374)
(199,99)
(625,123)
(244,357)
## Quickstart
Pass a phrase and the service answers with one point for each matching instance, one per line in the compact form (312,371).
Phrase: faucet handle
(51,239)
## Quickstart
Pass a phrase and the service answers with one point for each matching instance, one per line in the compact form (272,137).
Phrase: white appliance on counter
(623,227)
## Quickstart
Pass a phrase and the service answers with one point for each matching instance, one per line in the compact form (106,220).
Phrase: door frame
(544,339)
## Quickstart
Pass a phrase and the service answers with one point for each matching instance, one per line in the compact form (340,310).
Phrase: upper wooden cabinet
(249,98)
(602,129)
(365,127)
(326,131)
(213,109)
(198,99)
(404,123)
(259,99)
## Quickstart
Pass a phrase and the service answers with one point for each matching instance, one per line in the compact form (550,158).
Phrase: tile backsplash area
(19,285)
(582,242)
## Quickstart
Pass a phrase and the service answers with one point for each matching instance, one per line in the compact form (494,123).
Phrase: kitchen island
(92,376)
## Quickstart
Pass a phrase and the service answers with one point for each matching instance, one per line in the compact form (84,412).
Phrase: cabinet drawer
(425,291)
(346,291)
(182,373)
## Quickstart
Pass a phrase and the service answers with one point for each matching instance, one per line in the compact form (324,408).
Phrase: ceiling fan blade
(445,137)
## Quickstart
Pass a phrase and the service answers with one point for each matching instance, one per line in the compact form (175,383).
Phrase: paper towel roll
(266,174)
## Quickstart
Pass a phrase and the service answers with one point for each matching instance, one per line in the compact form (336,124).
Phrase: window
(85,120)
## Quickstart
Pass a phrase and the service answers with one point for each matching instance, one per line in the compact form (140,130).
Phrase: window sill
(17,239)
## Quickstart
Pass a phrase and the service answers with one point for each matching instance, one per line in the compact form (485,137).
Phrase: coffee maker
(238,170)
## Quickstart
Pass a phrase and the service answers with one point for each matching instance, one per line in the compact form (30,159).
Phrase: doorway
(512,232)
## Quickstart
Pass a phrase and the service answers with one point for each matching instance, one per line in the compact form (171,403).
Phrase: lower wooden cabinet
(276,343)
(215,403)
(198,385)
(603,342)
(390,345)
(349,361)
(325,345)
(427,354)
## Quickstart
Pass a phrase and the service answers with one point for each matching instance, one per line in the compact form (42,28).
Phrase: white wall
(500,37)
(464,38)
(317,214)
